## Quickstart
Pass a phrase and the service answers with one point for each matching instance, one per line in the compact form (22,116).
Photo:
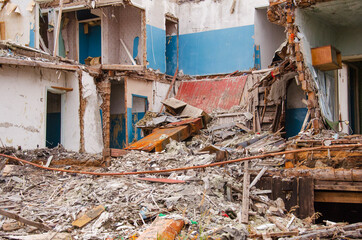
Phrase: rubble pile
(176,197)
(207,200)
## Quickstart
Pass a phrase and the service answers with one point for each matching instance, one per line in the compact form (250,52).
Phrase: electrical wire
(321,148)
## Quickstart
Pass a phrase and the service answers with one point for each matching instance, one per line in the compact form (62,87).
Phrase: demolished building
(80,75)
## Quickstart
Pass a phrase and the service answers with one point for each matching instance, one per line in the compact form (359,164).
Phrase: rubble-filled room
(180,119)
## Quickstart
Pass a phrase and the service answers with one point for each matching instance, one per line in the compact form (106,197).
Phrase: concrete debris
(208,200)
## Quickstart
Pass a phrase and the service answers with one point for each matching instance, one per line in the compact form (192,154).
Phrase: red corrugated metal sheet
(212,94)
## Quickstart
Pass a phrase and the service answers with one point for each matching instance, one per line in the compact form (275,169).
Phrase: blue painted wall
(89,44)
(156,48)
(171,55)
(129,125)
(32,36)
(217,51)
(294,119)
(202,53)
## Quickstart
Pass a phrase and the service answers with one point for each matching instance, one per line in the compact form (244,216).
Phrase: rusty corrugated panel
(160,137)
(212,94)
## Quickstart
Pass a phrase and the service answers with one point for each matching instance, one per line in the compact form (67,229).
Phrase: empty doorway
(53,122)
(118,116)
(171,45)
(139,108)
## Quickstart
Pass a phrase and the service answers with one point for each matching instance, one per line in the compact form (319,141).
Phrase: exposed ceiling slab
(339,13)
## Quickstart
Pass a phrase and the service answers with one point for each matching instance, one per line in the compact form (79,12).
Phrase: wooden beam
(338,186)
(338,197)
(120,67)
(23,220)
(327,174)
(126,107)
(58,27)
(169,89)
(62,88)
(31,63)
(2,31)
(306,197)
(245,202)
(128,53)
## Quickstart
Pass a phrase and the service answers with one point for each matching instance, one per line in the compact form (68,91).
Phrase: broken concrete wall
(121,23)
(268,37)
(316,33)
(159,94)
(155,28)
(222,43)
(20,22)
(92,118)
(24,112)
(139,95)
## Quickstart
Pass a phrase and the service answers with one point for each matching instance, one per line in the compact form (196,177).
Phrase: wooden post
(306,197)
(126,111)
(169,89)
(23,220)
(245,203)
(58,28)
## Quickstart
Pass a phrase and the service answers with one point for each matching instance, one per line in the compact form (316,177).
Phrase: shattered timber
(180,119)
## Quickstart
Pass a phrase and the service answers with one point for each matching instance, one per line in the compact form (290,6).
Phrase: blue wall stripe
(156,48)
(32,36)
(217,51)
(171,55)
(129,125)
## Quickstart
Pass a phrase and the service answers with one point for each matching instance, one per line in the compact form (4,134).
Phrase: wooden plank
(126,107)
(31,63)
(120,67)
(118,152)
(2,31)
(58,28)
(88,216)
(305,121)
(338,197)
(306,197)
(171,85)
(256,179)
(62,88)
(23,220)
(338,186)
(245,201)
(127,51)
(243,127)
(276,188)
(277,223)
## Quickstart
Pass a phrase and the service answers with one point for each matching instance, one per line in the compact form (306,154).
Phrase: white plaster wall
(139,87)
(93,142)
(159,93)
(156,10)
(70,130)
(17,25)
(211,15)
(268,35)
(23,106)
